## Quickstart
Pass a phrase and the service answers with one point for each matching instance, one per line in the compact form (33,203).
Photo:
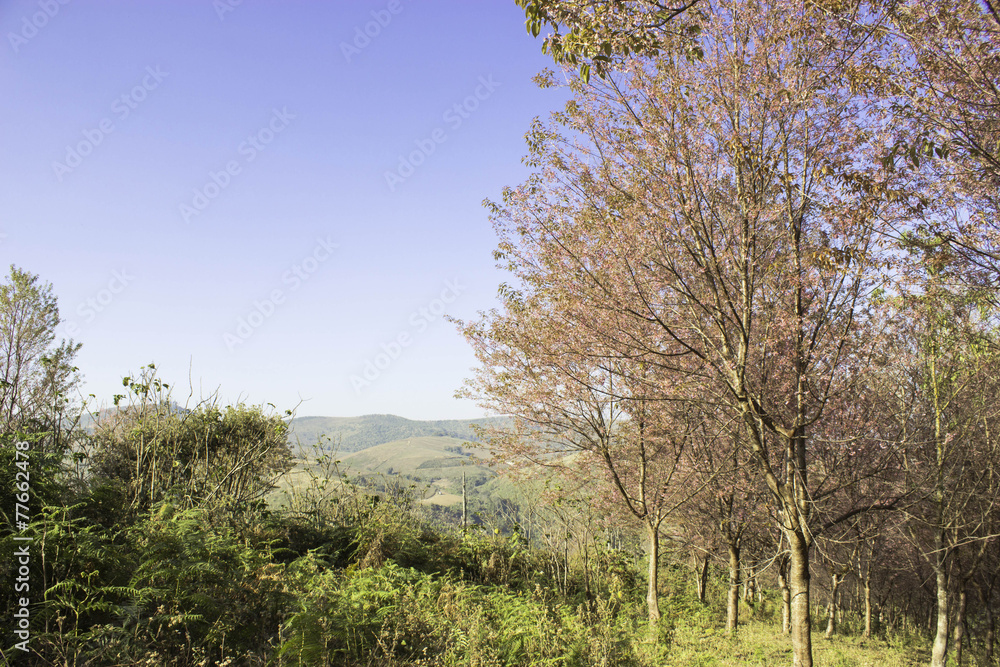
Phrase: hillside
(358,433)
(436,464)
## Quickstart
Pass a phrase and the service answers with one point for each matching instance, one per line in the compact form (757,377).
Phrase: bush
(395,615)
(203,597)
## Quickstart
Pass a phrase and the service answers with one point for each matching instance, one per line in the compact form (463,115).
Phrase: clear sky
(270,194)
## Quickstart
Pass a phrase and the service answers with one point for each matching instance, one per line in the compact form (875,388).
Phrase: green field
(353,434)
(434,465)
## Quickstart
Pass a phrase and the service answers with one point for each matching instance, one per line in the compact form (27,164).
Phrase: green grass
(761,644)
(413,456)
(435,464)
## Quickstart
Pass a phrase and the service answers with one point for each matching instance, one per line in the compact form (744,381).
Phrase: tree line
(754,290)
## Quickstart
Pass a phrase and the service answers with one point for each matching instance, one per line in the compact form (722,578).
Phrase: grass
(760,644)
(436,464)
(416,456)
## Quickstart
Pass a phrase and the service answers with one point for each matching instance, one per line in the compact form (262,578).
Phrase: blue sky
(261,195)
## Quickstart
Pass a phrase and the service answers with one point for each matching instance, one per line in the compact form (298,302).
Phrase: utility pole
(465,503)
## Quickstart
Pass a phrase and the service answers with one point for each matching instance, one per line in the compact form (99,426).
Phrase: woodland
(748,356)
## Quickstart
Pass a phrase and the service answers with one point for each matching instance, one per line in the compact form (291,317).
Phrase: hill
(436,463)
(358,433)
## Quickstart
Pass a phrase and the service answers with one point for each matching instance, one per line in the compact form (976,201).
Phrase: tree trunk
(465,505)
(786,595)
(986,595)
(831,616)
(733,605)
(702,578)
(990,633)
(960,626)
(566,561)
(868,606)
(652,598)
(799,580)
(939,651)
(750,585)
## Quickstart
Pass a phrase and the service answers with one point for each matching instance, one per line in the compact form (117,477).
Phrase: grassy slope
(425,460)
(352,434)
(431,462)
(374,444)
(410,455)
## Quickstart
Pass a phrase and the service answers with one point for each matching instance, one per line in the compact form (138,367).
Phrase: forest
(748,356)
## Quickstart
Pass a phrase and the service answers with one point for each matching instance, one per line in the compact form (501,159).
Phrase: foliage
(202,595)
(396,615)
(363,580)
(226,458)
(758,259)
(36,374)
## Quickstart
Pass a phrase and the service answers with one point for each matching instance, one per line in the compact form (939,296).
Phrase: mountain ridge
(354,434)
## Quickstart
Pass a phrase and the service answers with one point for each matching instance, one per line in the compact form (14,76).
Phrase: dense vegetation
(753,285)
(750,351)
(159,539)
(149,552)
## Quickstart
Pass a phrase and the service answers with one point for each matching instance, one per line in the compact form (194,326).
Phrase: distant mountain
(438,462)
(355,434)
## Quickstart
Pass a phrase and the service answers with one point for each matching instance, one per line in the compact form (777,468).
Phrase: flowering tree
(583,409)
(709,213)
(592,35)
(951,363)
(943,86)
(729,511)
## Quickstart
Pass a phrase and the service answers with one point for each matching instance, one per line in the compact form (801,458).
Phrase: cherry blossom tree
(729,511)
(584,410)
(941,79)
(592,35)
(708,214)
(952,468)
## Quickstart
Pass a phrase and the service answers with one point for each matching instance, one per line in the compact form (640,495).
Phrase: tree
(950,82)
(36,373)
(570,396)
(729,511)
(952,363)
(597,33)
(943,85)
(710,213)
